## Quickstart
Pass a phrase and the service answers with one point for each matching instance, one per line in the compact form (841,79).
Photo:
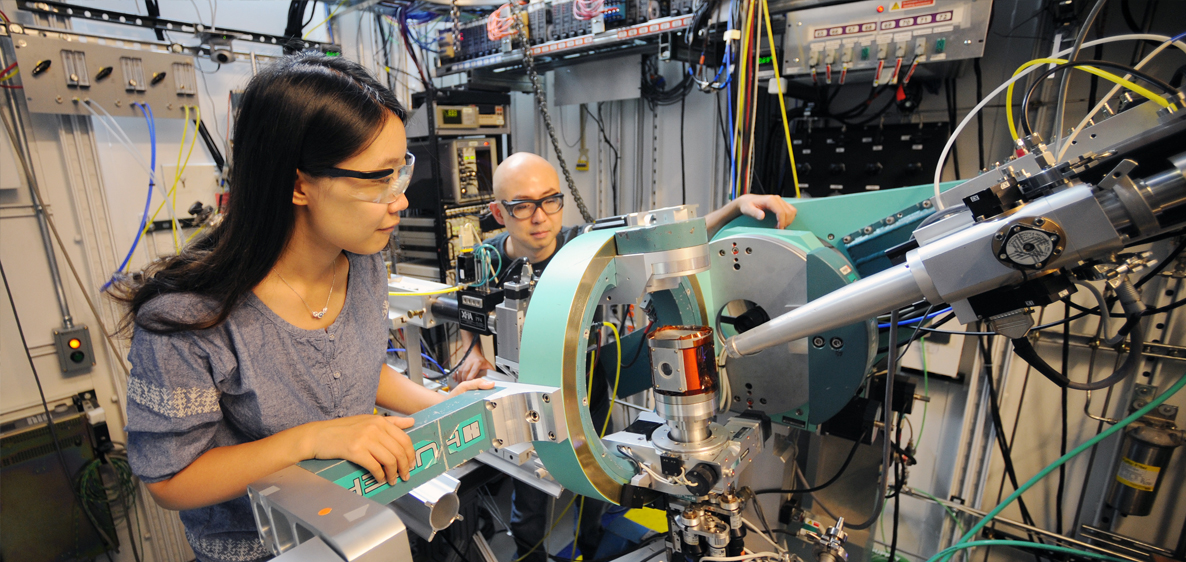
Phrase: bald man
(528,202)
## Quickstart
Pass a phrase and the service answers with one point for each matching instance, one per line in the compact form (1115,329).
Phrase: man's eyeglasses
(522,209)
(379,186)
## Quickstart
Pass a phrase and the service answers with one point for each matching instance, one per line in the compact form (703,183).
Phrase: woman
(263,344)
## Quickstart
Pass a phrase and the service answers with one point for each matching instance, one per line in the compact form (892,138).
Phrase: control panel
(884,40)
(553,29)
(60,72)
(840,160)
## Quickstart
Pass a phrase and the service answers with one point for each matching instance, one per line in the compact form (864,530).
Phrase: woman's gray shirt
(248,378)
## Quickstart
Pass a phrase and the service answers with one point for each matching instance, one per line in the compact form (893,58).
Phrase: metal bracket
(1130,197)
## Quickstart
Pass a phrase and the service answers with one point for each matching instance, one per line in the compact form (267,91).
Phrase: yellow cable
(786,126)
(439,292)
(745,35)
(181,169)
(191,236)
(617,377)
(550,529)
(10,74)
(327,18)
(577,534)
(177,175)
(1143,91)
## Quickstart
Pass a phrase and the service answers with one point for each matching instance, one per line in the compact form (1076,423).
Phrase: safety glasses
(379,186)
(522,209)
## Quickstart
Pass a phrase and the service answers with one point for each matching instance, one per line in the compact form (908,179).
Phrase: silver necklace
(320,313)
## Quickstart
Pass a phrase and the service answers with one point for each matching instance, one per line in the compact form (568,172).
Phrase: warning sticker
(908,4)
(1136,475)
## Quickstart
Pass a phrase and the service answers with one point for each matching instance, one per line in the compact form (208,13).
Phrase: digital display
(451,117)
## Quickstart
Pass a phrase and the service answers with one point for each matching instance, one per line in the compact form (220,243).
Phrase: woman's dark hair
(306,111)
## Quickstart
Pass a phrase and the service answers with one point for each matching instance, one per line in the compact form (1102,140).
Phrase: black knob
(873,168)
(914,167)
(804,168)
(702,479)
(836,168)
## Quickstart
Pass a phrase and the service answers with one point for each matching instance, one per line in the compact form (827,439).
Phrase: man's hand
(473,367)
(756,206)
(476,384)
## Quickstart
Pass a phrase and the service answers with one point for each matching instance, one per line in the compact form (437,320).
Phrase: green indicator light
(765,60)
(77,356)
(864,53)
(940,45)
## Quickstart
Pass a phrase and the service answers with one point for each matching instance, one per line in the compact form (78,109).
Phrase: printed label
(1136,475)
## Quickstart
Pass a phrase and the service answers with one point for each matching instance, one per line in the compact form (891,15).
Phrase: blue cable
(1179,37)
(424,351)
(729,110)
(147,202)
(916,320)
(424,355)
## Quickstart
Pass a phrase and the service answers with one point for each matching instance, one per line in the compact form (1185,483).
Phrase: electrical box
(61,71)
(467,167)
(42,520)
(75,354)
(885,36)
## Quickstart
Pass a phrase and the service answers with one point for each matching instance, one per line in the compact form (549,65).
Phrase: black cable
(1002,444)
(899,481)
(851,453)
(449,542)
(49,418)
(617,158)
(1025,101)
(472,342)
(949,91)
(1025,350)
(642,342)
(208,140)
(683,169)
(1062,443)
(919,329)
(979,116)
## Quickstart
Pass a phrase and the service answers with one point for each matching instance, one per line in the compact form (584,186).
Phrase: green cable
(944,555)
(926,388)
(954,517)
(1026,544)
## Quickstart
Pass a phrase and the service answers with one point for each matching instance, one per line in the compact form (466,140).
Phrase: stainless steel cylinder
(687,416)
(1147,453)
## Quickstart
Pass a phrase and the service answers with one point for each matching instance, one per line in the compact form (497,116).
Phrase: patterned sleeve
(173,403)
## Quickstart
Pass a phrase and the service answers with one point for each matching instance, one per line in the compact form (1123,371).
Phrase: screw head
(491,405)
(551,436)
(817,341)
(547,398)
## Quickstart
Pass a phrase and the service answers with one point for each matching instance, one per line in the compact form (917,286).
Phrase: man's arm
(754,206)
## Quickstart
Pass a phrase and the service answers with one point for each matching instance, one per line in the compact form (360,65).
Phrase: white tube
(1002,87)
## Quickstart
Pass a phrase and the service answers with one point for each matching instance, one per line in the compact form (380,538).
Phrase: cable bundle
(500,24)
(587,9)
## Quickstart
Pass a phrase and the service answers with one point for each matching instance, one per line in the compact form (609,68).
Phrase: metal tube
(889,290)
(38,206)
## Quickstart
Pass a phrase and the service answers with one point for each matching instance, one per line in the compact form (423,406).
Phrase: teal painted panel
(443,436)
(843,214)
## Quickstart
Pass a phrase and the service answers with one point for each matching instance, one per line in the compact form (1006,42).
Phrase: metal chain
(456,13)
(529,62)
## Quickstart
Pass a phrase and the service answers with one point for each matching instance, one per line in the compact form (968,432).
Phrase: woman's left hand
(476,384)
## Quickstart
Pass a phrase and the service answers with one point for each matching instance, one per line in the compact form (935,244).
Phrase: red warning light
(880,9)
(487,143)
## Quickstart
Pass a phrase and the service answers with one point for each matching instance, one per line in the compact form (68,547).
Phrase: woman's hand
(376,443)
(475,384)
